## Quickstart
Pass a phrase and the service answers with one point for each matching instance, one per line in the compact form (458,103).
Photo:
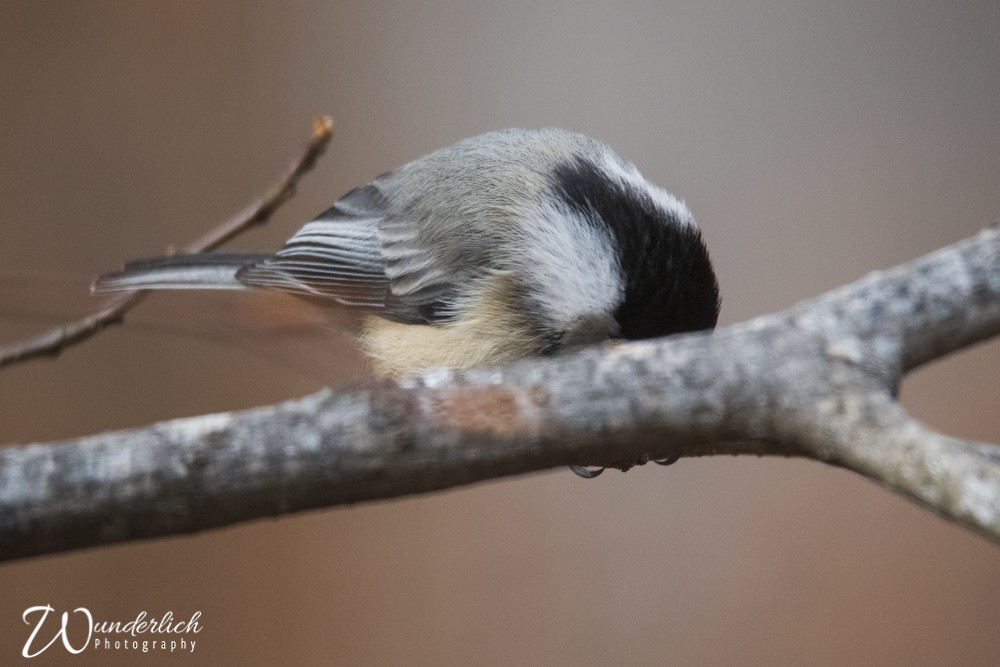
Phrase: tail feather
(198,271)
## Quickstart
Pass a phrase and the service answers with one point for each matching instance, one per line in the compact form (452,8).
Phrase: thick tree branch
(816,380)
(54,341)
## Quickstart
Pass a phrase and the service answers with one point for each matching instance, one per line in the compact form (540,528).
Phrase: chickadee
(507,245)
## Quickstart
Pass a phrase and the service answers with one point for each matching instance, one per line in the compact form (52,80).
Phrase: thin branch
(54,341)
(815,381)
(260,210)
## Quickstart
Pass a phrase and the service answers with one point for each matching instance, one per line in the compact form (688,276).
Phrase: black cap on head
(670,286)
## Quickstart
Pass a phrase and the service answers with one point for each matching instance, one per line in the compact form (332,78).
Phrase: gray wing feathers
(361,253)
(415,273)
(338,255)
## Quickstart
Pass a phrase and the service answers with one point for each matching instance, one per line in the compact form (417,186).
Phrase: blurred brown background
(815,142)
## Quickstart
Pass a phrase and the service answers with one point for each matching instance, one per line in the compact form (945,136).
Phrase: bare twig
(815,381)
(260,210)
(54,341)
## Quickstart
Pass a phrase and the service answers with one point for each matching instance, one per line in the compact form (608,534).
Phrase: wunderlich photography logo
(78,632)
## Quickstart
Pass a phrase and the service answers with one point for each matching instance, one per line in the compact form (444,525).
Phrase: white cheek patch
(574,264)
(627,174)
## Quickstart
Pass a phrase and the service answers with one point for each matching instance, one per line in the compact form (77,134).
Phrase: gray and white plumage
(505,245)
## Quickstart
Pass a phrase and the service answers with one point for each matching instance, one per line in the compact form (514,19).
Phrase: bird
(512,244)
